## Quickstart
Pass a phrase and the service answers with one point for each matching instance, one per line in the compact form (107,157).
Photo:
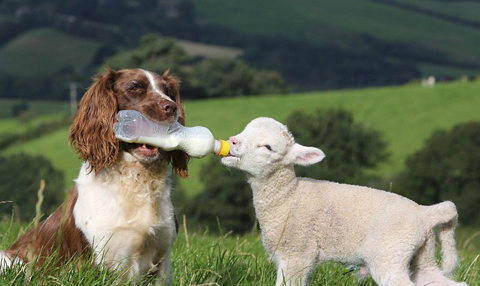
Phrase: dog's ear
(91,134)
(178,159)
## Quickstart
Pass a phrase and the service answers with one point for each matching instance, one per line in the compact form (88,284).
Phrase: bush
(20,176)
(226,200)
(446,168)
(350,147)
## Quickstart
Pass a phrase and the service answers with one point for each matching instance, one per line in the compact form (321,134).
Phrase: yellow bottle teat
(224,148)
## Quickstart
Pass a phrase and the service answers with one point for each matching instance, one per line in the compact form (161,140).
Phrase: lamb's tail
(445,215)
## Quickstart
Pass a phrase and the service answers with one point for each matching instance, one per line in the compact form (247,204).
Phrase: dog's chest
(132,208)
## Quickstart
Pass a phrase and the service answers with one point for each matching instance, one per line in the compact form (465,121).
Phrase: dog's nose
(169,108)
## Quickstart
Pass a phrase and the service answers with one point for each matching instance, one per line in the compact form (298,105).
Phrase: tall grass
(203,259)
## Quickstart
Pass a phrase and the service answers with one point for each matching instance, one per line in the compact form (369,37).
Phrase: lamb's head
(266,145)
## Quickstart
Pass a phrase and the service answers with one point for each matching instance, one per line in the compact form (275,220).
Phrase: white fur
(127,216)
(7,262)
(306,222)
(154,85)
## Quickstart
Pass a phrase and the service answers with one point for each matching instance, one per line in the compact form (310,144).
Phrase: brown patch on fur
(58,235)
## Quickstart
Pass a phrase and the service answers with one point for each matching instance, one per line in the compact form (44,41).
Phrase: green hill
(406,115)
(437,25)
(45,51)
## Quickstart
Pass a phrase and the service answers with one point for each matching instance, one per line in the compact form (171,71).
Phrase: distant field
(407,115)
(37,107)
(463,9)
(44,51)
(336,22)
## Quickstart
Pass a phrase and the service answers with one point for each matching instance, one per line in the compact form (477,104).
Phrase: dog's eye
(135,86)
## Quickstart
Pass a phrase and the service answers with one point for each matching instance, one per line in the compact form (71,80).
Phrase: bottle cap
(224,148)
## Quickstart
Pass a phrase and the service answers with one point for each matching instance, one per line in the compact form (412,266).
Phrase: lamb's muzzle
(306,222)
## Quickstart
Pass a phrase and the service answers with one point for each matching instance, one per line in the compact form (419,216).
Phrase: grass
(45,51)
(202,259)
(406,115)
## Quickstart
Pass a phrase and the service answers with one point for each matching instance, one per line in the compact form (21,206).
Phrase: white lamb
(306,222)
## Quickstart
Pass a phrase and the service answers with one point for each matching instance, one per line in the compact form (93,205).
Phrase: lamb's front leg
(294,271)
(164,272)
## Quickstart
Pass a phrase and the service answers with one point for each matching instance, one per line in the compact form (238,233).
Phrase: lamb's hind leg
(425,270)
(391,268)
(390,274)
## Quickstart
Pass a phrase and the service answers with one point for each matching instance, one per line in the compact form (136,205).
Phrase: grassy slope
(336,21)
(44,51)
(406,115)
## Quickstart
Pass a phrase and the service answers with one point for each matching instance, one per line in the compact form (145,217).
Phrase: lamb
(306,222)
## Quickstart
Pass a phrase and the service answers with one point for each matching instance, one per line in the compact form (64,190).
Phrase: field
(45,51)
(406,116)
(202,259)
(339,22)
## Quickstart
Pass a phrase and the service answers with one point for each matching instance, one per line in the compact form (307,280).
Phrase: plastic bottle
(197,141)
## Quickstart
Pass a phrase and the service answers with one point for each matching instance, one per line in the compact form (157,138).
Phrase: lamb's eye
(268,147)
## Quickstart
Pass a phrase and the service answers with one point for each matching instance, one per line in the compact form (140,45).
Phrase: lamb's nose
(233,140)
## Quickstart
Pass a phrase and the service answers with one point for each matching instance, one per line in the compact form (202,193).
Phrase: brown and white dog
(120,208)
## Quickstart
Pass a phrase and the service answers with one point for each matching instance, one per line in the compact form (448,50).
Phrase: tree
(446,168)
(20,175)
(225,200)
(350,147)
(207,78)
(155,54)
(226,78)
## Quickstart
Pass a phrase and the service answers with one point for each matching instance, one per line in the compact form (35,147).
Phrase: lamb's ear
(302,155)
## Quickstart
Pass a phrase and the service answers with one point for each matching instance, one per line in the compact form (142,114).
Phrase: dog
(119,209)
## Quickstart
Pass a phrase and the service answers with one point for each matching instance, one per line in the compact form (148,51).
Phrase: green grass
(337,22)
(45,51)
(38,107)
(202,259)
(467,10)
(406,115)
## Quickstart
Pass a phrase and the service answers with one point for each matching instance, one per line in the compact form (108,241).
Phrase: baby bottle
(196,141)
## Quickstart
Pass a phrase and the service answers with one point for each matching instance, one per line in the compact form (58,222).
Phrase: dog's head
(155,96)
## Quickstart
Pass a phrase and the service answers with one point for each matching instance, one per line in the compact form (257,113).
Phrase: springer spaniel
(120,208)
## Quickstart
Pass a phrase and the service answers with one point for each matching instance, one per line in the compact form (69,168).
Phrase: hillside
(406,115)
(342,22)
(45,51)
(315,45)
